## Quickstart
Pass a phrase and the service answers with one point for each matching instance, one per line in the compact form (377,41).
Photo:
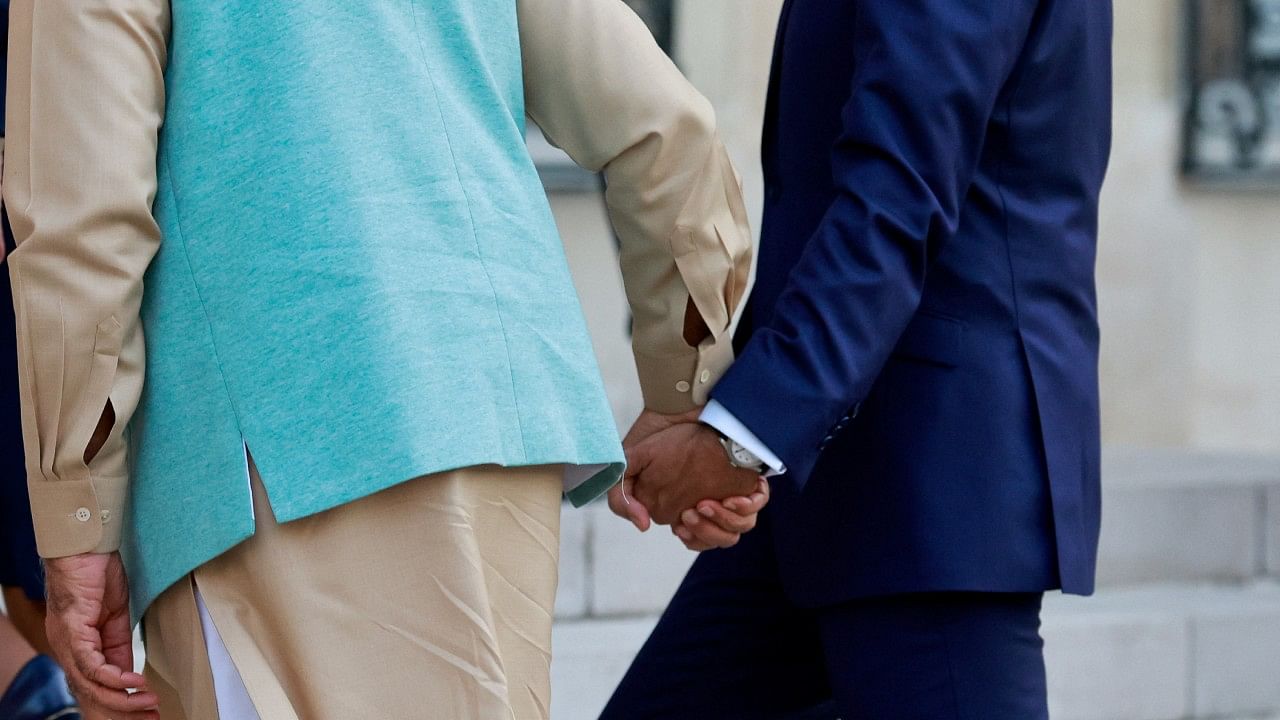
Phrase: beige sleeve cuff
(77,516)
(675,385)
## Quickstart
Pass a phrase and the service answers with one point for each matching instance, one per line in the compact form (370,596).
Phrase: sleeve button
(705,376)
(83,515)
(683,386)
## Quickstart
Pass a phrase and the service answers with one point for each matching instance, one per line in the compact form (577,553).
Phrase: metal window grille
(1233,114)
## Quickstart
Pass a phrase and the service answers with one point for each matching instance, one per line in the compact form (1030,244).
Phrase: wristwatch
(739,456)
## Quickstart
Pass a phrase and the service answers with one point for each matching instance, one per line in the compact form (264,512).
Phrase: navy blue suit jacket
(921,346)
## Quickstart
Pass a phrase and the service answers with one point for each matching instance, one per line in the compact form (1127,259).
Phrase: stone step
(1175,516)
(1165,652)
(1168,517)
(1155,653)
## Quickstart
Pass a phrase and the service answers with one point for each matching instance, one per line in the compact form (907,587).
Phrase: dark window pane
(1233,118)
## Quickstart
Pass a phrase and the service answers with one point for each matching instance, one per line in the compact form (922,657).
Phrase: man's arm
(86,90)
(928,76)
(601,89)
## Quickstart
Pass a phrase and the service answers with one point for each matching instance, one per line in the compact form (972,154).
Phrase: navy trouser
(19,565)
(732,647)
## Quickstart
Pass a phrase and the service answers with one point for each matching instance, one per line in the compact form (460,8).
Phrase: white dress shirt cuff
(719,417)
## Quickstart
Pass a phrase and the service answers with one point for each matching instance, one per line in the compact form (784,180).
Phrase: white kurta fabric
(228,687)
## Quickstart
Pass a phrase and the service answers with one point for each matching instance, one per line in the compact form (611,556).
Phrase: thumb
(628,508)
(635,509)
(638,458)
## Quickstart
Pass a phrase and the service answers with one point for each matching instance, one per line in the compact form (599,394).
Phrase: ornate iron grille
(1233,118)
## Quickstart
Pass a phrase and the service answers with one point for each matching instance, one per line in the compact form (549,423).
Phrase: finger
(94,712)
(117,641)
(629,508)
(616,504)
(742,507)
(114,702)
(752,504)
(646,494)
(639,512)
(114,677)
(707,533)
(92,664)
(726,519)
(689,539)
(714,537)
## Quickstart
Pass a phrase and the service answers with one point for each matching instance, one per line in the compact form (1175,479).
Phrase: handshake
(678,474)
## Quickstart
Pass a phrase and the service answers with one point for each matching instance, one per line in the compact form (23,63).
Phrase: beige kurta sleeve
(86,92)
(601,89)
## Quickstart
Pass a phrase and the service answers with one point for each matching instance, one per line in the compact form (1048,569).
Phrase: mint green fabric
(360,278)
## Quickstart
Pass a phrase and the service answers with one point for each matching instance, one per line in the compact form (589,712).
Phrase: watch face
(743,456)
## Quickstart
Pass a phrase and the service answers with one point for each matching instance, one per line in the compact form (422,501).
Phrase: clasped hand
(678,475)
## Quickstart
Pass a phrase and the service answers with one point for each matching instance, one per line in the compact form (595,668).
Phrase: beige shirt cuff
(77,516)
(675,385)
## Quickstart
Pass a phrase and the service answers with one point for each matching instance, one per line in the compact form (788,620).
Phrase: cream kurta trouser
(433,599)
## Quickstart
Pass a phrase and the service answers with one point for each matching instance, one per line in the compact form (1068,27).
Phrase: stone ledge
(1100,650)
(1208,533)
(1170,467)
(1186,517)
(1117,666)
(1168,517)
(1237,661)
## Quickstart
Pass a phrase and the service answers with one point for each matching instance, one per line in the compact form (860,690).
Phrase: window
(1233,117)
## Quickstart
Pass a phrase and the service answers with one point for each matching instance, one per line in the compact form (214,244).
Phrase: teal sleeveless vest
(360,279)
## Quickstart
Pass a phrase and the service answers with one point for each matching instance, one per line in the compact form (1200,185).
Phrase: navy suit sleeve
(926,80)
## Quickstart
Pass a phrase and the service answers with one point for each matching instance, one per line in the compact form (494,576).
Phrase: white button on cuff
(705,376)
(83,515)
(683,386)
